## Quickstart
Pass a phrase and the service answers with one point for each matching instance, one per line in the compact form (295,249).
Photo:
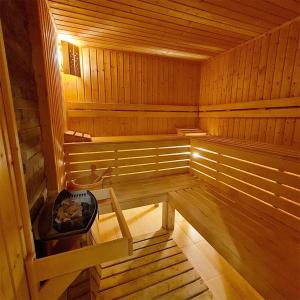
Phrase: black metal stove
(74,226)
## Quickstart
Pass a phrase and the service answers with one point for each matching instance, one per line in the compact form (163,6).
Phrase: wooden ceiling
(192,29)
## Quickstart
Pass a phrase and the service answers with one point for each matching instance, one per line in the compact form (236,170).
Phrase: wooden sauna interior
(193,107)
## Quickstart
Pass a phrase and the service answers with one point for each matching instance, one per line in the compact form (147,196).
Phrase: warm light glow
(196,155)
(68,38)
(60,57)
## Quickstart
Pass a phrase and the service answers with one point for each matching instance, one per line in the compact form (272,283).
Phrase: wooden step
(158,269)
(75,136)
(193,132)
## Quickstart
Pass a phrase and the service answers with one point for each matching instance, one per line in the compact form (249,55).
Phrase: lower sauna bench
(157,270)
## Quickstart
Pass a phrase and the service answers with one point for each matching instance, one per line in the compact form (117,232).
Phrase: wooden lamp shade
(71,59)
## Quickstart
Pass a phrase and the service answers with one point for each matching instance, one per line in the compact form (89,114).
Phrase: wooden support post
(168,216)
(33,282)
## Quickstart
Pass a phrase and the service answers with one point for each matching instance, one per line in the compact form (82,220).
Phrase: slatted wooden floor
(157,270)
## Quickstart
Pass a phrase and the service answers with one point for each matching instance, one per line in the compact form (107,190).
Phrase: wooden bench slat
(240,237)
(282,163)
(260,170)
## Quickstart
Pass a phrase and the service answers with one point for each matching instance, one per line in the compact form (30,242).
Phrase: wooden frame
(71,59)
(136,159)
(261,176)
(61,269)
(246,205)
(168,211)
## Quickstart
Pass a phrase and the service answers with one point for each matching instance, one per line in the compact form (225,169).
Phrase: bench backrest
(129,160)
(263,176)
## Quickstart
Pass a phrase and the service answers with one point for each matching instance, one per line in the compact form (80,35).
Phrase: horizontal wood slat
(126,154)
(127,162)
(274,103)
(255,113)
(276,108)
(141,145)
(265,174)
(131,107)
(260,170)
(128,159)
(129,114)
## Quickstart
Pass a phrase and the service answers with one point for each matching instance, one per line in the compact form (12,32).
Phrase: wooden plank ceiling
(193,29)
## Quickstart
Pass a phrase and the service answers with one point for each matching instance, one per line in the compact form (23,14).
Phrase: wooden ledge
(130,107)
(136,138)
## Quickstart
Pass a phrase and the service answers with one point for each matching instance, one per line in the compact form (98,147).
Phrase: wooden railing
(263,176)
(129,160)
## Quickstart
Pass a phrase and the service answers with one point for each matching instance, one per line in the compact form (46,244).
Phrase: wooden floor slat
(187,291)
(139,262)
(163,287)
(142,252)
(145,281)
(153,241)
(149,235)
(207,295)
(157,270)
(142,271)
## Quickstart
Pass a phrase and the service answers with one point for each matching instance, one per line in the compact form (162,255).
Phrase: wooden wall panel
(130,78)
(115,126)
(262,69)
(25,99)
(123,77)
(48,78)
(13,283)
(13,251)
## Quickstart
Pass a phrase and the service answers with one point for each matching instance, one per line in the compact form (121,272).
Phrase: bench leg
(168,216)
